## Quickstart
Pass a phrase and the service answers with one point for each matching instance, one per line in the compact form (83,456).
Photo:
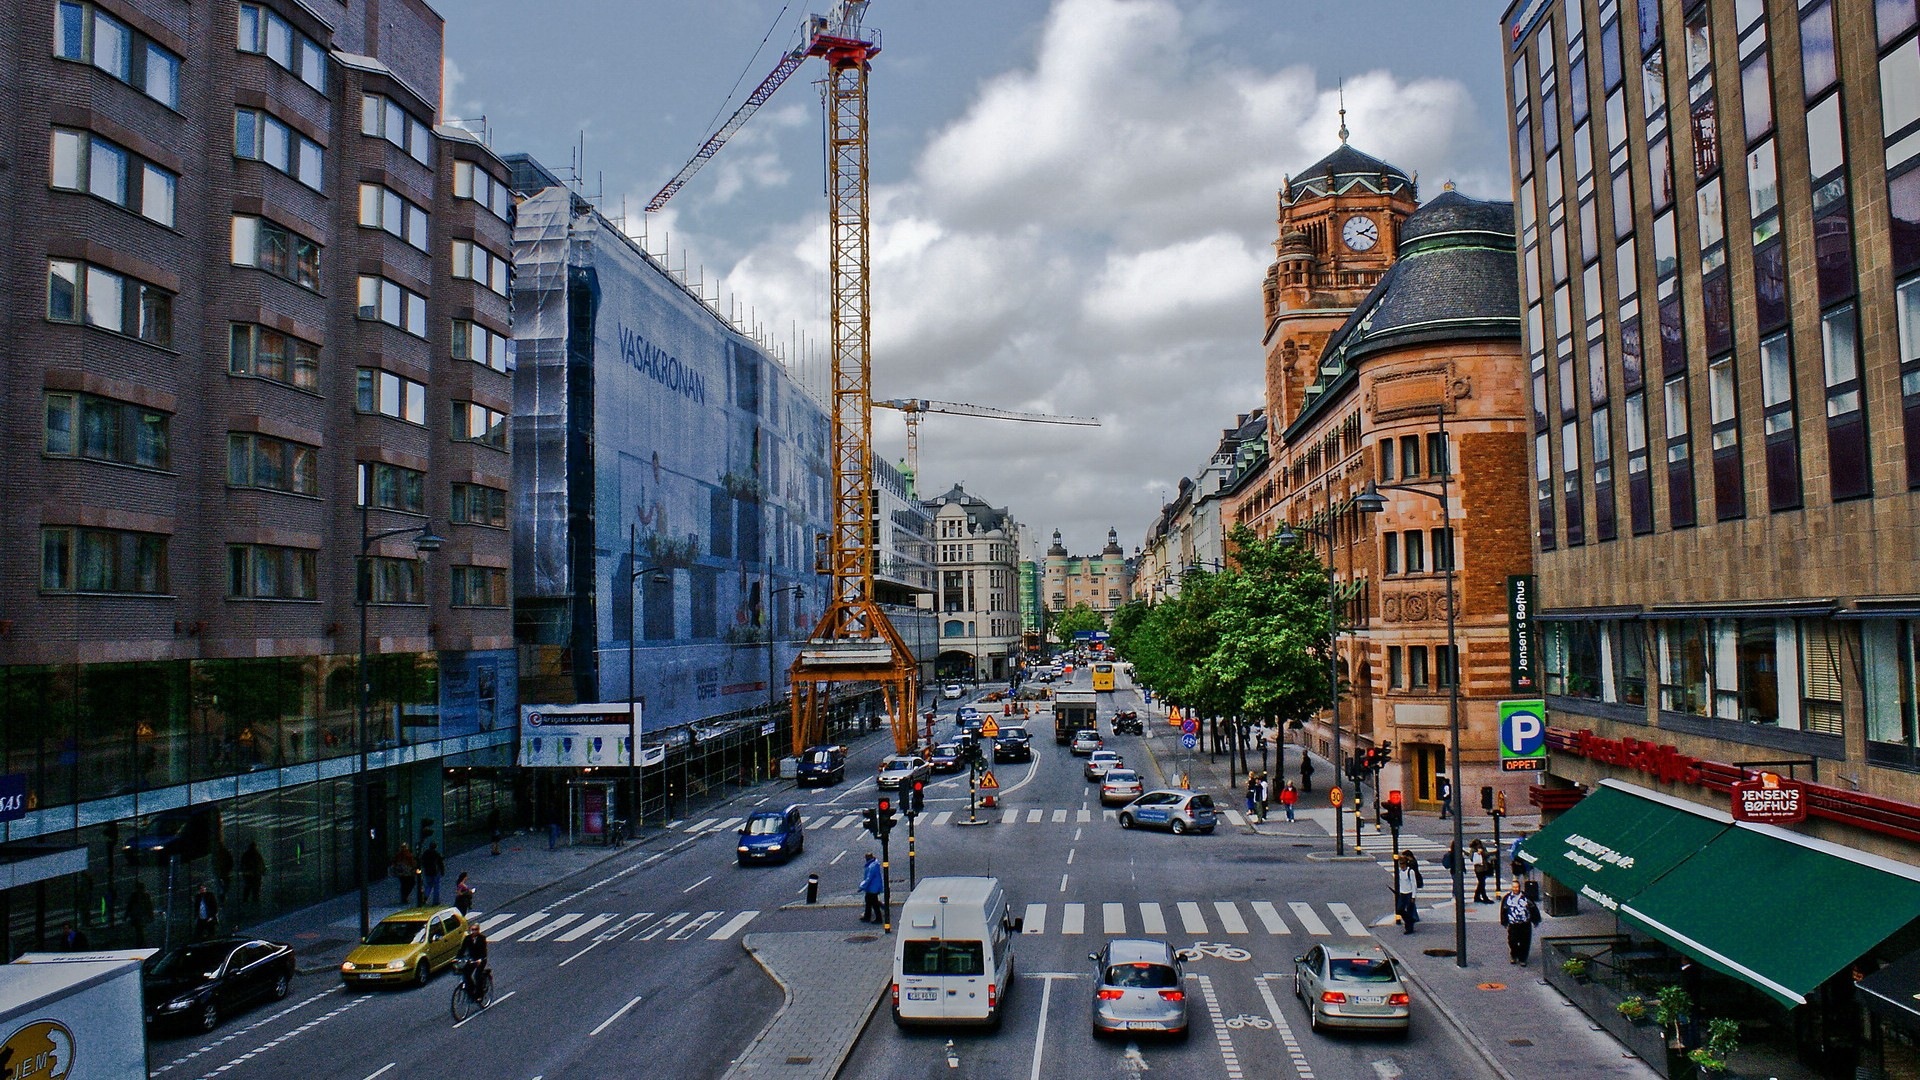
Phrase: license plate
(1141,1025)
(369,975)
(922,995)
(1368,999)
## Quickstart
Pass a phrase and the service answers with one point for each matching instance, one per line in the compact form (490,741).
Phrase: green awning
(1777,909)
(1613,844)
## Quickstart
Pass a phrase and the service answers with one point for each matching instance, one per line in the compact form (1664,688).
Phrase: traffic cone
(987,801)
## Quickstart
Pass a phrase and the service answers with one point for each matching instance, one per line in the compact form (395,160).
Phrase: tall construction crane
(854,641)
(917,408)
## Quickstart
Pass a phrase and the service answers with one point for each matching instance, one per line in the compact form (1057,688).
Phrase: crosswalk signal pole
(885,820)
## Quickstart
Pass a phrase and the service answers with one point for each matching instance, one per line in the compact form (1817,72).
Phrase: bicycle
(465,1001)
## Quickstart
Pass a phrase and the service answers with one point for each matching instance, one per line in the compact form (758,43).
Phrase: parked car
(1085,741)
(901,771)
(1119,787)
(1180,811)
(406,946)
(1013,744)
(185,833)
(1137,986)
(771,836)
(198,985)
(952,691)
(823,765)
(947,757)
(1351,986)
(1100,761)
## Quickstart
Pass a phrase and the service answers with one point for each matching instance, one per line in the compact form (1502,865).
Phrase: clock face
(1360,233)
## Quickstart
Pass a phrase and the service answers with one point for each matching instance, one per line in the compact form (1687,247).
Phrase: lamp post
(1370,502)
(424,541)
(799,593)
(1288,536)
(659,577)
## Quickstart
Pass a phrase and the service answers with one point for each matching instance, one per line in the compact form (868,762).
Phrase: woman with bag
(1482,867)
(463,894)
(1406,881)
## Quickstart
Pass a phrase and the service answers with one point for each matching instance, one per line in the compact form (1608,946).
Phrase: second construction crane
(917,408)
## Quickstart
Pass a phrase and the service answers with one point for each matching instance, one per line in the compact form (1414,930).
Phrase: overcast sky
(1073,200)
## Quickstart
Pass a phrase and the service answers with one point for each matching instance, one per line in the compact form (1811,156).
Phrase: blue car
(771,836)
(1178,811)
(821,765)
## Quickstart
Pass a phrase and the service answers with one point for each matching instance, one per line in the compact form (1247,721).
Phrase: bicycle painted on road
(1249,1020)
(1219,949)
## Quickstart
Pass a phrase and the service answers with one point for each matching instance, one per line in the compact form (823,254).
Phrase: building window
(259,136)
(94,296)
(261,461)
(1386,459)
(475,342)
(1417,667)
(393,581)
(1639,474)
(479,424)
(1846,421)
(1891,656)
(1729,487)
(283,253)
(99,429)
(470,181)
(1396,669)
(85,162)
(391,488)
(1783,441)
(102,561)
(479,586)
(1410,456)
(474,504)
(1445,669)
(266,353)
(383,208)
(265,572)
(477,264)
(1543,490)
(1390,546)
(263,31)
(88,35)
(384,118)
(1571,487)
(1415,543)
(1632,656)
(1439,462)
(1443,550)
(1907,309)
(386,394)
(394,304)
(1683,667)
(1679,455)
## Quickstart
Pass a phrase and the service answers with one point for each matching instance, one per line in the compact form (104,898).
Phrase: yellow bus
(1102,675)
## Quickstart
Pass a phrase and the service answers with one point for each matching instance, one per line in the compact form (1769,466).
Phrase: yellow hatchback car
(407,946)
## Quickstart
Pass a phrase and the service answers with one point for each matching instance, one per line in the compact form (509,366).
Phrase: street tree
(1079,617)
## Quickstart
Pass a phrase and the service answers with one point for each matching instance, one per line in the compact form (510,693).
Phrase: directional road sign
(1189,740)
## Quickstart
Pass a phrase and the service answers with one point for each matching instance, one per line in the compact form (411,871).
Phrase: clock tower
(1339,229)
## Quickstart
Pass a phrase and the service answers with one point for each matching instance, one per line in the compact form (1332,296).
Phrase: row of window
(95,296)
(1406,552)
(84,33)
(85,162)
(276,249)
(263,137)
(1408,669)
(1406,454)
(119,561)
(263,31)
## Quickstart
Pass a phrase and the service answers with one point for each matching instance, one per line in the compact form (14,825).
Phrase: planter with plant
(1633,1008)
(1723,1038)
(1575,967)
(1671,1006)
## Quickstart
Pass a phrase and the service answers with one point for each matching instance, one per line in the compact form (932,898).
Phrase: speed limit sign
(1336,796)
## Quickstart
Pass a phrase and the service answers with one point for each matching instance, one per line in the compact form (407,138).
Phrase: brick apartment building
(249,285)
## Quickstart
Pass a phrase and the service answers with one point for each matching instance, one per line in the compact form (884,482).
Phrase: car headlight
(346,968)
(177,1005)
(773,847)
(396,965)
(744,849)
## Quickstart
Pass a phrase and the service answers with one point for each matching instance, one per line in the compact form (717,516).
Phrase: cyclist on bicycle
(474,951)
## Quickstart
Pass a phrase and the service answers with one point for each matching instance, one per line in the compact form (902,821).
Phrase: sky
(1073,201)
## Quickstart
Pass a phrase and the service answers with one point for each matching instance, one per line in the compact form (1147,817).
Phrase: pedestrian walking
(1407,880)
(1289,796)
(405,868)
(139,912)
(553,836)
(72,940)
(1522,869)
(1482,866)
(206,914)
(1253,795)
(1519,914)
(1446,798)
(1452,858)
(253,870)
(222,868)
(1265,795)
(873,882)
(432,868)
(463,893)
(1306,770)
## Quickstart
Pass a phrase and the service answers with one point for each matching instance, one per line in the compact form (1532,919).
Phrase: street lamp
(1371,502)
(634,574)
(424,540)
(1288,536)
(799,593)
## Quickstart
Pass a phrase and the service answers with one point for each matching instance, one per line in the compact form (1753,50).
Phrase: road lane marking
(1033,816)
(1063,883)
(694,925)
(664,924)
(1040,1034)
(1228,1056)
(1152,921)
(837,858)
(1076,835)
(1301,1068)
(1351,925)
(624,1009)
(1083,815)
(506,932)
(1230,919)
(1009,817)
(384,1069)
(1114,916)
(232,1035)
(846,821)
(625,925)
(1269,917)
(1071,852)
(1035,920)
(696,885)
(1309,919)
(351,1003)
(732,926)
(591,945)
(1073,919)
(943,817)
(702,827)
(1190,918)
(1060,817)
(562,921)
(589,926)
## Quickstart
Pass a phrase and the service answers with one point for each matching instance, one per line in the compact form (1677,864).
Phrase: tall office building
(1719,218)
(254,300)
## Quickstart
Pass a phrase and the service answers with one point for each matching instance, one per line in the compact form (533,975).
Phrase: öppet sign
(1770,798)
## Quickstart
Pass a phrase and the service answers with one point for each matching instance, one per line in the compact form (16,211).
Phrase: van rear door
(923,990)
(967,978)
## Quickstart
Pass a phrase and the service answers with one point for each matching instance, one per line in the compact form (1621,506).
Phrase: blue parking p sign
(1523,735)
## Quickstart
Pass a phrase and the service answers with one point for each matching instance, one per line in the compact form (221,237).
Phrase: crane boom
(787,65)
(916,408)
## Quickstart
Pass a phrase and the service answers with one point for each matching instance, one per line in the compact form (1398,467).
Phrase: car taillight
(1173,995)
(1111,995)
(993,996)
(1333,997)
(896,995)
(1399,999)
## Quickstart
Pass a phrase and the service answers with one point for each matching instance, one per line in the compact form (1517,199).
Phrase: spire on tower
(1343,111)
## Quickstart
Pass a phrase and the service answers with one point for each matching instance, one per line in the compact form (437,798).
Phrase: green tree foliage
(1076,618)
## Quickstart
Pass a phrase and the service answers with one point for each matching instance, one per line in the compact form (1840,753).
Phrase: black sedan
(195,986)
(1013,744)
(947,758)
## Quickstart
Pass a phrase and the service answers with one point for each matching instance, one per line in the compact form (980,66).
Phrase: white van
(953,953)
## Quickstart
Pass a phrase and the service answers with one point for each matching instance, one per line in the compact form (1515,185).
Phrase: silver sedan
(1137,986)
(1351,986)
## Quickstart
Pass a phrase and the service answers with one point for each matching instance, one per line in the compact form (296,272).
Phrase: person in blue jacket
(872,884)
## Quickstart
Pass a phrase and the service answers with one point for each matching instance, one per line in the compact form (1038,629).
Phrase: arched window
(954,628)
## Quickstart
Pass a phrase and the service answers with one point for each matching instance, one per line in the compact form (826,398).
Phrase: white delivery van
(953,953)
(74,1016)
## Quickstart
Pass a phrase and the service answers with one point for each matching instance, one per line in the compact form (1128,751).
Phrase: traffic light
(1386,755)
(917,798)
(869,820)
(1392,811)
(1370,760)
(1356,766)
(884,818)
(1486,799)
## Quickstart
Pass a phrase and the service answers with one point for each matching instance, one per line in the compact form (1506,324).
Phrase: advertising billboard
(578,736)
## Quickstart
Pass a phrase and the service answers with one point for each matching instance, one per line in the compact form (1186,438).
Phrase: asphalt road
(637,964)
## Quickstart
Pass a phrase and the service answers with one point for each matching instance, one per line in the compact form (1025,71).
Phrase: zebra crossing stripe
(492,919)
(508,931)
(846,821)
(1083,817)
(1035,920)
(732,926)
(943,817)
(663,925)
(820,822)
(694,925)
(1073,919)
(1059,817)
(1351,925)
(1110,815)
(624,925)
(1152,921)
(1009,817)
(556,924)
(588,927)
(1033,816)
(1190,918)
(730,823)
(1236,817)
(1114,918)
(1308,918)
(702,826)
(1230,919)
(1269,917)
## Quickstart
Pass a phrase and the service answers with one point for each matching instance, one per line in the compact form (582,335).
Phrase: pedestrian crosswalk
(572,926)
(1005,815)
(1191,917)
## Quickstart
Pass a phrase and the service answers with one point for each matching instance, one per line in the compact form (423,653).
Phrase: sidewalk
(1520,1027)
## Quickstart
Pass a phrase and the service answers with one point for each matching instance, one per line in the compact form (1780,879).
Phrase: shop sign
(1770,798)
(13,796)
(1520,632)
(1664,763)
(1523,735)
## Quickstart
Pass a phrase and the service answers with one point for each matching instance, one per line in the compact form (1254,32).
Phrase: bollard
(813,888)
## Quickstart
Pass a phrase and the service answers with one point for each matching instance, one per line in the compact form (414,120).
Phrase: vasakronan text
(662,366)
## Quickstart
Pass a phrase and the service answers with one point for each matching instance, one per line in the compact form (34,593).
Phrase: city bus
(1102,675)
